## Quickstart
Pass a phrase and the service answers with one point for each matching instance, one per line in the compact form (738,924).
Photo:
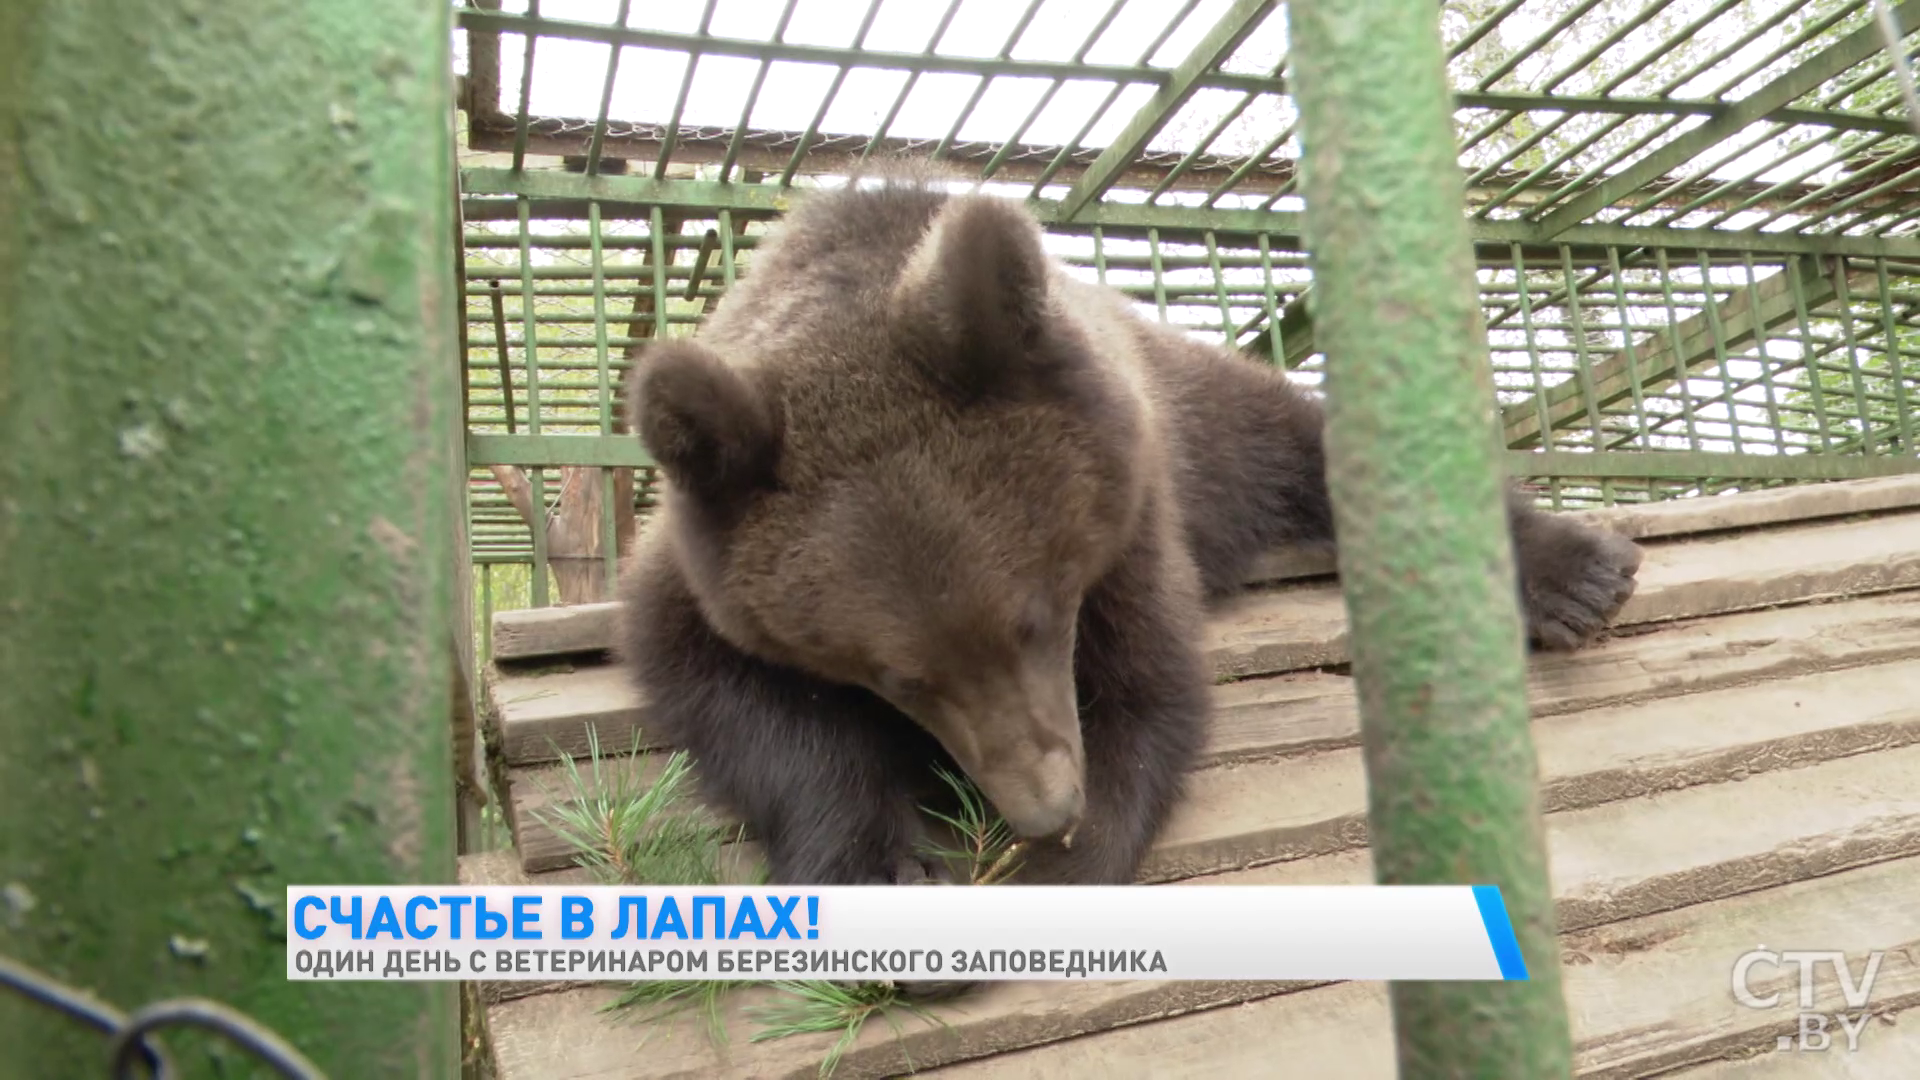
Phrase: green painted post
(227,403)
(1426,564)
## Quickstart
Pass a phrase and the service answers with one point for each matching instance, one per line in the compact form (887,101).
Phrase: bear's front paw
(1573,579)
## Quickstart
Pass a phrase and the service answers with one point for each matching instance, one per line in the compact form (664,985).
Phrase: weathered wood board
(539,632)
(546,715)
(1644,996)
(1257,722)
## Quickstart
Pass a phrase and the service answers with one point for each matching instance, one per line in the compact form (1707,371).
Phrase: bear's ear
(974,298)
(712,432)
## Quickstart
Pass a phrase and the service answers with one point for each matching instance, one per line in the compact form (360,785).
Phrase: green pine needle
(990,853)
(819,1007)
(628,831)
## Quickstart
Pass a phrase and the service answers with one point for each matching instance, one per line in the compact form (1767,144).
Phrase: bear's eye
(898,687)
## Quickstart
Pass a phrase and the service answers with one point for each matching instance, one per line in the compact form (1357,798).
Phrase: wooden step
(1268,631)
(1315,634)
(1260,721)
(1889,1049)
(1670,862)
(1644,996)
(547,713)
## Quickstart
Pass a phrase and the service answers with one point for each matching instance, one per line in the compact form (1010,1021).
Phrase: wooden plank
(545,716)
(1628,860)
(1750,509)
(1280,630)
(536,632)
(1644,996)
(1230,817)
(531,633)
(1319,711)
(1776,566)
(1306,713)
(1889,1049)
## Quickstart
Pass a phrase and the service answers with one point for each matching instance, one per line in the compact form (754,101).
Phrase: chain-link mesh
(131,1055)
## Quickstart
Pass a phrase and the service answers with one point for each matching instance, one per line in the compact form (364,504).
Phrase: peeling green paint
(226,406)
(1425,562)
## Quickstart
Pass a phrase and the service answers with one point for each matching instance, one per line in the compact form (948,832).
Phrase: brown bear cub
(932,501)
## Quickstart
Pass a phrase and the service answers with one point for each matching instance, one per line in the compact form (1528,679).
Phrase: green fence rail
(1425,562)
(227,396)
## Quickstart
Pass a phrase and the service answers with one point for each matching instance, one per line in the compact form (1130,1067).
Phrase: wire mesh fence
(1697,222)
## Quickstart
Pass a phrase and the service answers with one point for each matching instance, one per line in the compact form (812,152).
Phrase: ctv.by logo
(1812,1034)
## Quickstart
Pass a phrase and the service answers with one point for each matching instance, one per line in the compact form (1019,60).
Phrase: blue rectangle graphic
(1506,948)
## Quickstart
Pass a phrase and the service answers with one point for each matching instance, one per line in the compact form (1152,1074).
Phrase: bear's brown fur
(931,499)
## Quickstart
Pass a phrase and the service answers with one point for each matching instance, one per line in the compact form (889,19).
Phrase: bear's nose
(1048,802)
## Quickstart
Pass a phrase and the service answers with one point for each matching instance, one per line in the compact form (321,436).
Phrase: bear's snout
(1049,802)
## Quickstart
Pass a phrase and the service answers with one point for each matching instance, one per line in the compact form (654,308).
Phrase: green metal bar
(1481,29)
(227,600)
(606,451)
(530,349)
(913,77)
(1844,296)
(1703,169)
(826,101)
(1628,355)
(1276,343)
(1159,275)
(609,546)
(1682,356)
(1583,368)
(1220,292)
(727,244)
(657,232)
(701,42)
(486,613)
(606,93)
(1204,143)
(1814,389)
(1141,73)
(680,100)
(1797,81)
(1816,158)
(708,241)
(499,307)
(1812,29)
(1539,396)
(1695,465)
(523,117)
(778,50)
(1532,48)
(1717,334)
(1765,360)
(1575,107)
(1425,560)
(1284,226)
(740,128)
(1012,142)
(960,119)
(1226,35)
(619,451)
(1896,373)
